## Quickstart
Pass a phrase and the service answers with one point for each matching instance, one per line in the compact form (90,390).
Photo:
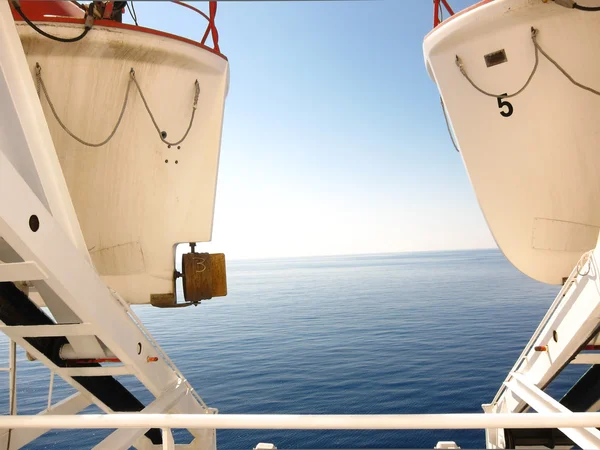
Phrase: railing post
(167,438)
(12,377)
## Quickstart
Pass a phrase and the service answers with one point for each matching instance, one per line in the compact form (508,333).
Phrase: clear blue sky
(333,141)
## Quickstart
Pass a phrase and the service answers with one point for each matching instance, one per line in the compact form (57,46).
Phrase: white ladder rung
(22,271)
(586,358)
(93,371)
(75,329)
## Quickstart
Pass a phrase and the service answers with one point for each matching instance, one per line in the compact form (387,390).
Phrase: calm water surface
(375,334)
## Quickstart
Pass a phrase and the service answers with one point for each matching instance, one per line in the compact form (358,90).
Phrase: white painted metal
(543,403)
(50,388)
(446,445)
(159,350)
(308,422)
(12,374)
(68,352)
(35,353)
(494,437)
(265,446)
(23,436)
(25,141)
(587,358)
(124,438)
(94,371)
(168,442)
(72,295)
(79,286)
(535,173)
(24,126)
(80,329)
(105,323)
(573,318)
(135,197)
(23,271)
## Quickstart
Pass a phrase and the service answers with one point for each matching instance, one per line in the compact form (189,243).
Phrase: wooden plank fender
(204,276)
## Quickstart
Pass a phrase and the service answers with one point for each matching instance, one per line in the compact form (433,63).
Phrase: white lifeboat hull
(135,197)
(535,170)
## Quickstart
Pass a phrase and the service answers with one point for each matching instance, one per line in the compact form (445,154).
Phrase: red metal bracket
(436,11)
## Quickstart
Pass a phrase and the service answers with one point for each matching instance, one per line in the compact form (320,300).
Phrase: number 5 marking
(501,104)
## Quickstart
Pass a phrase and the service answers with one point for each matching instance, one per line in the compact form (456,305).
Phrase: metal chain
(40,85)
(539,49)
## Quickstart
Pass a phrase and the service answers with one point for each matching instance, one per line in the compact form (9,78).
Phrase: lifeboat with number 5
(520,83)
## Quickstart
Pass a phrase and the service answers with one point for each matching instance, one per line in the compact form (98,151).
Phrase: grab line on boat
(132,79)
(539,49)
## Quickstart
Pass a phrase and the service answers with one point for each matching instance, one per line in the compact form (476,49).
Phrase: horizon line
(251,258)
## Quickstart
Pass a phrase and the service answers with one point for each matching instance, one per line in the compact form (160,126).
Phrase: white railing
(306,422)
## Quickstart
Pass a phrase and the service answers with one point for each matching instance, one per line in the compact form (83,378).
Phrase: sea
(431,332)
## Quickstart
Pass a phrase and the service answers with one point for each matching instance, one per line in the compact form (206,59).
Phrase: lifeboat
(519,82)
(136,116)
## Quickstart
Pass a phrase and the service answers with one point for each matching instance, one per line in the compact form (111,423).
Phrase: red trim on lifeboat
(63,12)
(42,10)
(470,8)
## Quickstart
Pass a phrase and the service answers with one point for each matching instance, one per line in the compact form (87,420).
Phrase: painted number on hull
(504,103)
(200,267)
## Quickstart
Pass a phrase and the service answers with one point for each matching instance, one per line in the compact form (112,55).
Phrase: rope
(160,133)
(132,79)
(538,49)
(564,72)
(40,83)
(448,126)
(464,72)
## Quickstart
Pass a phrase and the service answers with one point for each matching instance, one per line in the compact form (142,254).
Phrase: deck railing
(305,422)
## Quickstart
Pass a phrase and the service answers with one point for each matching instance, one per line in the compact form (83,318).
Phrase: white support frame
(21,331)
(26,135)
(26,141)
(125,437)
(22,271)
(572,318)
(543,403)
(31,183)
(77,284)
(168,442)
(23,436)
(94,318)
(587,358)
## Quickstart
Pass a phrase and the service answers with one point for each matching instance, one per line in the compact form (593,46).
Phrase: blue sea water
(367,334)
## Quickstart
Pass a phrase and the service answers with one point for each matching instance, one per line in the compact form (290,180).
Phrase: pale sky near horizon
(333,138)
